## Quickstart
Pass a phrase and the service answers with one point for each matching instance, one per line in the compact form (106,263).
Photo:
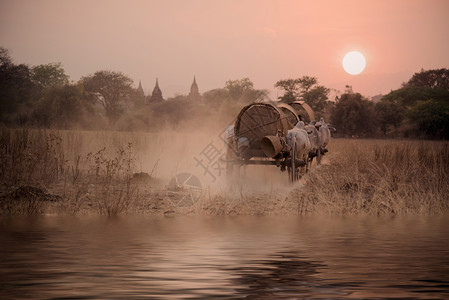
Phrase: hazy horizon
(221,40)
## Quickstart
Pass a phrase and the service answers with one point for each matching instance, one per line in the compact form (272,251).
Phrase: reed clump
(30,157)
(34,162)
(379,177)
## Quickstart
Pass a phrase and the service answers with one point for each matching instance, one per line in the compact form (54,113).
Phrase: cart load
(255,122)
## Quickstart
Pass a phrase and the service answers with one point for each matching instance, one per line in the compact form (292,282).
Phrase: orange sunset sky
(218,40)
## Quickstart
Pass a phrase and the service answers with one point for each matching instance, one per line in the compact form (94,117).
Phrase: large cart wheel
(293,169)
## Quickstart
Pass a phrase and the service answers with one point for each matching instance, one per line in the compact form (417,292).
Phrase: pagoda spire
(156,96)
(140,89)
(194,92)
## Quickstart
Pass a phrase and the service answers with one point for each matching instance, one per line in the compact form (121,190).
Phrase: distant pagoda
(140,90)
(156,96)
(194,93)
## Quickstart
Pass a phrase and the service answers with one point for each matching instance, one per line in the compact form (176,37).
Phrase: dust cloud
(201,152)
(167,153)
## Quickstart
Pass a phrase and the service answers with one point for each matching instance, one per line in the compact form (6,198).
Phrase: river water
(146,257)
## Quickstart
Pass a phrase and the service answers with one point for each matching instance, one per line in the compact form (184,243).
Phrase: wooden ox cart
(259,137)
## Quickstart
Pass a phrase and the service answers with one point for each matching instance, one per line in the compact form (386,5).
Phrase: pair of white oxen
(311,139)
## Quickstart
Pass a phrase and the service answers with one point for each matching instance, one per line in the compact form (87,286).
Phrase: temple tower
(140,90)
(156,96)
(194,93)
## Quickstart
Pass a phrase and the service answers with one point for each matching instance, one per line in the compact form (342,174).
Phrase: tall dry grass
(378,177)
(77,172)
(36,162)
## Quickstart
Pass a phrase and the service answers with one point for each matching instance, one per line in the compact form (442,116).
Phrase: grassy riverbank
(379,177)
(112,173)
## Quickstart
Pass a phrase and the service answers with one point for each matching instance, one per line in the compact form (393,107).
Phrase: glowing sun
(354,62)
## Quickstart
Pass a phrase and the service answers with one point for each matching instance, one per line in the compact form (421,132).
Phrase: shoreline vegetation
(79,172)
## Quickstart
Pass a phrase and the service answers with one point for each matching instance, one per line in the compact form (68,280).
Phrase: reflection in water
(282,275)
(53,257)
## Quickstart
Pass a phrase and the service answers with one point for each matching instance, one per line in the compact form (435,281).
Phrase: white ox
(325,132)
(314,137)
(319,135)
(299,135)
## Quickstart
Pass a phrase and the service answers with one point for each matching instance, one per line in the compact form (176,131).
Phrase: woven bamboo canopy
(258,120)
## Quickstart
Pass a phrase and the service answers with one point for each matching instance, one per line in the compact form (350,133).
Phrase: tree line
(418,109)
(43,96)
